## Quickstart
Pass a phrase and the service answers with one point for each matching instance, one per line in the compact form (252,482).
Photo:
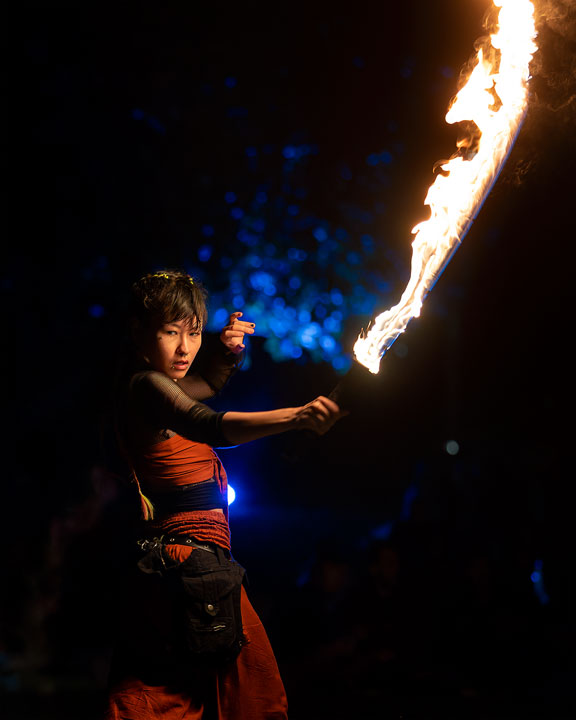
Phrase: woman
(169,662)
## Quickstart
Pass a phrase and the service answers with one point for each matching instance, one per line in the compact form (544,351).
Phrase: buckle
(146,545)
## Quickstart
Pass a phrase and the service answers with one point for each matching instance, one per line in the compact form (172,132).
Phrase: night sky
(223,140)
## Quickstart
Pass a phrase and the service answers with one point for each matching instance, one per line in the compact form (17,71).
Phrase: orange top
(179,461)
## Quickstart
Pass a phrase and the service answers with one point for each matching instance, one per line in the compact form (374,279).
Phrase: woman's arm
(161,403)
(222,363)
(318,415)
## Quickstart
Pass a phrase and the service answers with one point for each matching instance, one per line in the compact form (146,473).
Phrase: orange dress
(142,685)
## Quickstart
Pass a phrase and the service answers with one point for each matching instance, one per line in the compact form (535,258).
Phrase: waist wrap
(203,495)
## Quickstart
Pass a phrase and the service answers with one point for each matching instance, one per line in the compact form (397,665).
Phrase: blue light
(96,311)
(260,280)
(297,254)
(309,334)
(155,124)
(537,578)
(311,330)
(320,234)
(204,253)
(247,237)
(367,242)
(328,343)
(336,297)
(287,347)
(384,158)
(308,342)
(341,363)
(231,495)
(230,82)
(279,327)
(137,114)
(331,325)
(220,317)
(268,267)
(382,532)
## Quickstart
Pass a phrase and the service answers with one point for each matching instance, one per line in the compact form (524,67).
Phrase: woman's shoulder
(148,376)
(150,382)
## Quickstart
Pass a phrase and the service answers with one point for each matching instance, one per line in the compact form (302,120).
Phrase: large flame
(495,99)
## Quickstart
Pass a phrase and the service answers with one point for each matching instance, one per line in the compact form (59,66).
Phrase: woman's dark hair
(170,295)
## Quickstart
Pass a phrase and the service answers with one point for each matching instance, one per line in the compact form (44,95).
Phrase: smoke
(559,16)
(549,126)
(554,66)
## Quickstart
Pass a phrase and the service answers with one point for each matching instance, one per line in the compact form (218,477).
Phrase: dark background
(395,579)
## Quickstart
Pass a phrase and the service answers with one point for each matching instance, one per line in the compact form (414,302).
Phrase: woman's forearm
(242,427)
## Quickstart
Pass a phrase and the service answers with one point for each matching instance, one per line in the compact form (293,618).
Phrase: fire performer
(190,644)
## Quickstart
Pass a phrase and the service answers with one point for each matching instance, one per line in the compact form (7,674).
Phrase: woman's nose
(184,346)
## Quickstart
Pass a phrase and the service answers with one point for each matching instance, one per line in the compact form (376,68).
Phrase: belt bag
(205,590)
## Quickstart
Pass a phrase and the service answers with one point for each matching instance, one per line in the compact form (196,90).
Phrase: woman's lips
(180,365)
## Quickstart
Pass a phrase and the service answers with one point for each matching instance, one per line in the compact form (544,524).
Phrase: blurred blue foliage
(297,276)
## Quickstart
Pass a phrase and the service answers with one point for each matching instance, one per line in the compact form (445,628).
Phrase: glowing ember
(495,98)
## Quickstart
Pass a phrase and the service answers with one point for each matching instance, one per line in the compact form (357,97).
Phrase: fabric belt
(204,495)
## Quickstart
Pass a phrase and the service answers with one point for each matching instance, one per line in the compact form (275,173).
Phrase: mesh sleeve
(162,403)
(215,366)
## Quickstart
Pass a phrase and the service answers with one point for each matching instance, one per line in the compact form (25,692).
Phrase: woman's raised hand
(232,334)
(319,415)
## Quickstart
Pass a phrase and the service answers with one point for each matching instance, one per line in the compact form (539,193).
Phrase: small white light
(231,495)
(452,447)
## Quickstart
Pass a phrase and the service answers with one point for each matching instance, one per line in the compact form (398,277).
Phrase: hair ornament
(161,275)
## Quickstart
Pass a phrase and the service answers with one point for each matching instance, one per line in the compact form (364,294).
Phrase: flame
(495,99)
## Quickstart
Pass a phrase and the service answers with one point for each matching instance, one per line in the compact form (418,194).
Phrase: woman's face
(171,347)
